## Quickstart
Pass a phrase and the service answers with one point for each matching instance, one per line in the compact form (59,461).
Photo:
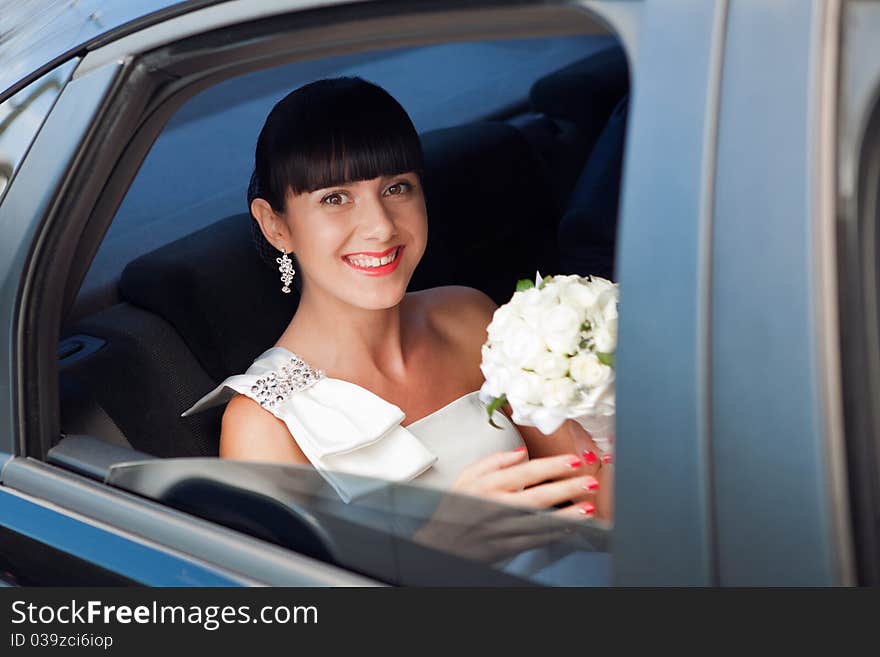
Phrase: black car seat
(120,371)
(491,221)
(588,228)
(569,109)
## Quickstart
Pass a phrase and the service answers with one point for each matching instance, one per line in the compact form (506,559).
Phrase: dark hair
(326,133)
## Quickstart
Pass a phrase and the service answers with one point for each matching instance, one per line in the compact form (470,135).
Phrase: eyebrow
(345,183)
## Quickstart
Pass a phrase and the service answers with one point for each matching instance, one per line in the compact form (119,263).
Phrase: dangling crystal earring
(285,266)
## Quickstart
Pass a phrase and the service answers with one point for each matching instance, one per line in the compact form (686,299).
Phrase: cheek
(417,224)
(322,239)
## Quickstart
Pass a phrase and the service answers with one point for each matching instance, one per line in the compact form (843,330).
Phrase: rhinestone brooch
(275,387)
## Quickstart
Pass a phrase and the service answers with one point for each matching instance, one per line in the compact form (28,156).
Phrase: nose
(377,222)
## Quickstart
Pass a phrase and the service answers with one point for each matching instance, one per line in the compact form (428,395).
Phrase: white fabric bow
(346,431)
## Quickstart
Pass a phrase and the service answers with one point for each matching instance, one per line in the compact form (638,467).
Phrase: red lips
(381,270)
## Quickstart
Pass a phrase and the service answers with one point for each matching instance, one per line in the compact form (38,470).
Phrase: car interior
(182,317)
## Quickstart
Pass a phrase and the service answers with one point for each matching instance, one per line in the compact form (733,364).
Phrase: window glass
(523,144)
(21,116)
(404,534)
(198,169)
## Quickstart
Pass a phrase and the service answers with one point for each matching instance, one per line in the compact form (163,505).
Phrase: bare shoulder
(459,316)
(458,310)
(251,433)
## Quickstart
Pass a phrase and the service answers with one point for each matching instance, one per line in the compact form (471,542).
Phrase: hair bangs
(351,153)
(330,132)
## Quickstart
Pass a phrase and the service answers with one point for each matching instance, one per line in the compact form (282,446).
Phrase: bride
(368,379)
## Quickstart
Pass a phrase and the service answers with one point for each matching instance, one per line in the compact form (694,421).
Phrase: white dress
(345,429)
(357,442)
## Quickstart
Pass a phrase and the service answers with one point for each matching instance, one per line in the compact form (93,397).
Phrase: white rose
(535,304)
(588,371)
(521,345)
(561,328)
(524,387)
(601,285)
(497,379)
(501,321)
(609,310)
(558,392)
(490,355)
(547,420)
(578,295)
(606,302)
(600,399)
(551,365)
(611,325)
(605,340)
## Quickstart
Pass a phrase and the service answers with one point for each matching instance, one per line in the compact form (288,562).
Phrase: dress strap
(272,381)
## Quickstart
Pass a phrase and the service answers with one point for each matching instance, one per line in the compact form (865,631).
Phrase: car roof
(38,35)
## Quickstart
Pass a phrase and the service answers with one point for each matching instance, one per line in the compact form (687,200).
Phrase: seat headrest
(588,228)
(491,220)
(216,292)
(491,214)
(584,92)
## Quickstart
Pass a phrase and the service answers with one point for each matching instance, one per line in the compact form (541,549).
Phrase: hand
(572,438)
(537,484)
(491,526)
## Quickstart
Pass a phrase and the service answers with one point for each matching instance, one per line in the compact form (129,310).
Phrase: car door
(693,462)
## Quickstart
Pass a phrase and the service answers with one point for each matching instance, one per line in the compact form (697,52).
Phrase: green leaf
(493,406)
(524,284)
(605,359)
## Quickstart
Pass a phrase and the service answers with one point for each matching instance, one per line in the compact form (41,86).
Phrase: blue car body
(746,444)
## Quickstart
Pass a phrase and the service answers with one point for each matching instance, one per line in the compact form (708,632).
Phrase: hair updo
(327,133)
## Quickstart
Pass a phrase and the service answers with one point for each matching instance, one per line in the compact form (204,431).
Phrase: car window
(385,533)
(21,116)
(197,172)
(178,299)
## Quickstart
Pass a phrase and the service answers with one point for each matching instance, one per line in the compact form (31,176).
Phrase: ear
(272,224)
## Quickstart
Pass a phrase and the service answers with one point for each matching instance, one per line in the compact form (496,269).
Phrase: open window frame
(131,100)
(150,88)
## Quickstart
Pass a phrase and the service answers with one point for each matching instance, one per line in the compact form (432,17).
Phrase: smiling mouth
(376,264)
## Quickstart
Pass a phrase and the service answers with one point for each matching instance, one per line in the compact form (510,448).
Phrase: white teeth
(370,261)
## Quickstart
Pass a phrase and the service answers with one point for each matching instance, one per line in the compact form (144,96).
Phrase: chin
(377,297)
(376,292)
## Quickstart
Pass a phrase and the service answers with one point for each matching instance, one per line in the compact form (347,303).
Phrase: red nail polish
(575,463)
(607,458)
(591,484)
(587,509)
(519,449)
(589,457)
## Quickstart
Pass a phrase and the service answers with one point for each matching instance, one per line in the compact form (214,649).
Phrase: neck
(344,339)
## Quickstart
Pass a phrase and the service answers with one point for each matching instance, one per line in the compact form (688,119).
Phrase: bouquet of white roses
(550,355)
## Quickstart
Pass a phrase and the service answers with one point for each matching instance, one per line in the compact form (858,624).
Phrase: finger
(494,462)
(588,450)
(556,492)
(523,475)
(579,511)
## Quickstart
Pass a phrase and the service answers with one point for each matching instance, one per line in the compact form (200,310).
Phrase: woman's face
(360,241)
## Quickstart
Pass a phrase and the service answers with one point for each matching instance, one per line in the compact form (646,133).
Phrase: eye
(336,198)
(398,188)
